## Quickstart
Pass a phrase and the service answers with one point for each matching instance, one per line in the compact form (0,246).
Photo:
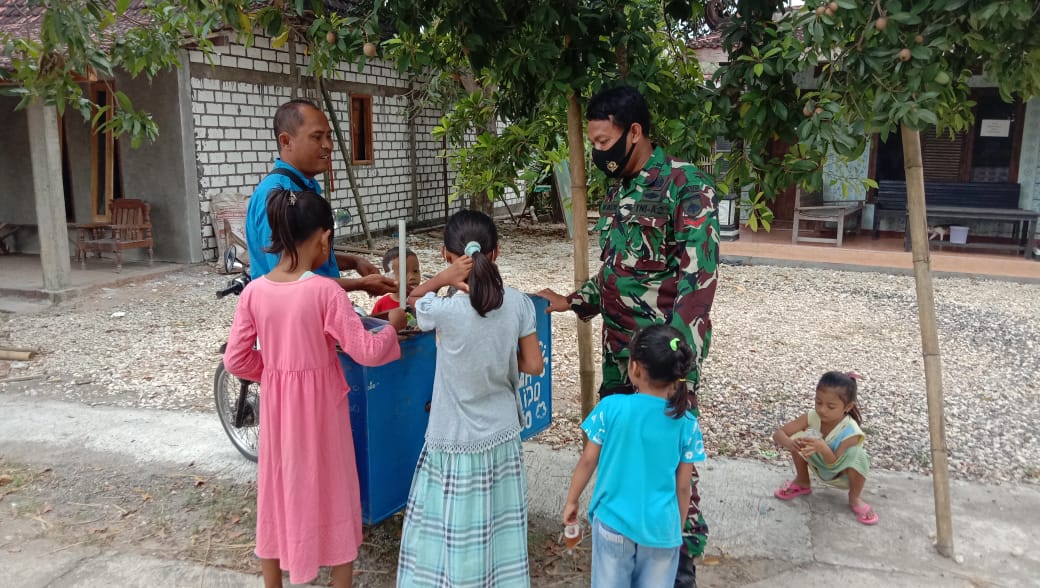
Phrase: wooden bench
(811,207)
(964,202)
(131,228)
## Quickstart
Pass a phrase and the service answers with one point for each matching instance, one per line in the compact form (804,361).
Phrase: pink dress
(308,511)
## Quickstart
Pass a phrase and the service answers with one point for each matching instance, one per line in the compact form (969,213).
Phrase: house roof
(712,40)
(23,19)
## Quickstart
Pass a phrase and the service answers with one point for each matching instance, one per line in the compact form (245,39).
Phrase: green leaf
(122,6)
(758,69)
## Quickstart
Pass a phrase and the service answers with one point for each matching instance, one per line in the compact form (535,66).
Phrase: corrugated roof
(23,19)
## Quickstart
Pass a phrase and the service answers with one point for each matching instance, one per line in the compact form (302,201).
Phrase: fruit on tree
(833,6)
(881,23)
(370,49)
(820,10)
(330,37)
(819,110)
(919,39)
(904,54)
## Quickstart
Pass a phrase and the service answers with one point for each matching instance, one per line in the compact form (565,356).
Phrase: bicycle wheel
(245,435)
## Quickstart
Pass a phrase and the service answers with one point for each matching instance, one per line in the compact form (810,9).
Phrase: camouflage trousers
(615,381)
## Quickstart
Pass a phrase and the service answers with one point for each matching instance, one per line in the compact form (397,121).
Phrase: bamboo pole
(918,227)
(16,354)
(576,145)
(331,109)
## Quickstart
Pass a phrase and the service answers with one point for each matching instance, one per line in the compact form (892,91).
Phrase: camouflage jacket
(659,235)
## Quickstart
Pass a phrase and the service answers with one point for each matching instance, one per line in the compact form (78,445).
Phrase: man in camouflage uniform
(658,230)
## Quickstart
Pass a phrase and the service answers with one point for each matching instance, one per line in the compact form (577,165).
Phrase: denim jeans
(618,562)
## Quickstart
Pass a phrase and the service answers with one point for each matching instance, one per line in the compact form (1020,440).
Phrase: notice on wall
(990,127)
(228,214)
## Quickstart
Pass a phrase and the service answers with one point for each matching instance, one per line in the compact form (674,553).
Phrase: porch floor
(860,252)
(23,278)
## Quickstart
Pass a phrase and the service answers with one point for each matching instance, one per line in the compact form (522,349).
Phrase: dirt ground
(93,500)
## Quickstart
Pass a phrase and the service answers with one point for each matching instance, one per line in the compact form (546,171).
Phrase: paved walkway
(756,539)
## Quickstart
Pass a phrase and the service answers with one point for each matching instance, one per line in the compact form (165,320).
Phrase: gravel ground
(154,345)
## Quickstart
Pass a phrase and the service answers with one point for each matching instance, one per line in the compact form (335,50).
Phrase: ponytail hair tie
(292,199)
(674,344)
(471,248)
(854,375)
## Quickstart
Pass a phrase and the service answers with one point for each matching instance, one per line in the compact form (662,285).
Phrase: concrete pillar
(45,154)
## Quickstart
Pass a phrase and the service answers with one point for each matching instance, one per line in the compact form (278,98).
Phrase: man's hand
(373,284)
(557,302)
(349,261)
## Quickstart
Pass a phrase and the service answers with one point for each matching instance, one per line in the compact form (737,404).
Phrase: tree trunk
(918,227)
(576,145)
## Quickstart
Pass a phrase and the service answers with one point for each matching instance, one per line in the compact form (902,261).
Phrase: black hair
(622,105)
(667,357)
(289,116)
(294,217)
(392,254)
(845,385)
(485,283)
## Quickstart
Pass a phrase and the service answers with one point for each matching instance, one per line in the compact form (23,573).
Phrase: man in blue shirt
(305,149)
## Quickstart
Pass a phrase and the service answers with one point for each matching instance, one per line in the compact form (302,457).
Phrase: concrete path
(756,539)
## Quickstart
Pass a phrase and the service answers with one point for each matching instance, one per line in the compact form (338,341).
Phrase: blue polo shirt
(258,230)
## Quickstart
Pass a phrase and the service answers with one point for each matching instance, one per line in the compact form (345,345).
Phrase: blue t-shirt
(641,448)
(258,230)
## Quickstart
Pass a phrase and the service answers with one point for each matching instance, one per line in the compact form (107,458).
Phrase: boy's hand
(570,513)
(557,302)
(398,319)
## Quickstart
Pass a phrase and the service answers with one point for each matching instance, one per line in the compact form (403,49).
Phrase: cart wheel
(243,429)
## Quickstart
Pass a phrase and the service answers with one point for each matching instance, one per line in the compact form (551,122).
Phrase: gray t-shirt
(475,404)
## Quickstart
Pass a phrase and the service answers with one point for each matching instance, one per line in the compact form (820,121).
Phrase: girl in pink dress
(308,511)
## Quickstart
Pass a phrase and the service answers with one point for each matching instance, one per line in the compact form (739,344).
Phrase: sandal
(865,514)
(790,490)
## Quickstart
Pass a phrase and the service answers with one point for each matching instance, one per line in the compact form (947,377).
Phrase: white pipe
(402,265)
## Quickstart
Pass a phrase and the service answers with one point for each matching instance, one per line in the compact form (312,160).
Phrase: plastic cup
(572,536)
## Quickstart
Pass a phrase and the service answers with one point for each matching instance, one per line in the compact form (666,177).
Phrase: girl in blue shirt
(645,445)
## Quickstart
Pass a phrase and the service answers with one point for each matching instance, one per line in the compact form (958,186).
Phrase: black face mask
(614,159)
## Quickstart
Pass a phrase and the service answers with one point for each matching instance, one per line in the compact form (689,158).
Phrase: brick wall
(234,96)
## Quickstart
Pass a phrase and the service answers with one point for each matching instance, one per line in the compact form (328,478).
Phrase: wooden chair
(130,228)
(812,207)
(6,230)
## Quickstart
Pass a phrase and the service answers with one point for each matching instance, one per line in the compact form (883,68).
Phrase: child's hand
(809,447)
(570,513)
(457,273)
(398,319)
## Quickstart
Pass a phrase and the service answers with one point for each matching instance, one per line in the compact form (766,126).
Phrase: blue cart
(390,408)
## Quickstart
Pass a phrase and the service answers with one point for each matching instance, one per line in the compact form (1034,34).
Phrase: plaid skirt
(466,520)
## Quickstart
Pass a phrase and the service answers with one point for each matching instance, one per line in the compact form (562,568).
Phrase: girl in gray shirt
(466,520)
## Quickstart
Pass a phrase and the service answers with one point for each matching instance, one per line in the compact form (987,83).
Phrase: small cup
(572,536)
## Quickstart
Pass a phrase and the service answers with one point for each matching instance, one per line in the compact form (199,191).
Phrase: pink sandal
(790,491)
(865,514)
